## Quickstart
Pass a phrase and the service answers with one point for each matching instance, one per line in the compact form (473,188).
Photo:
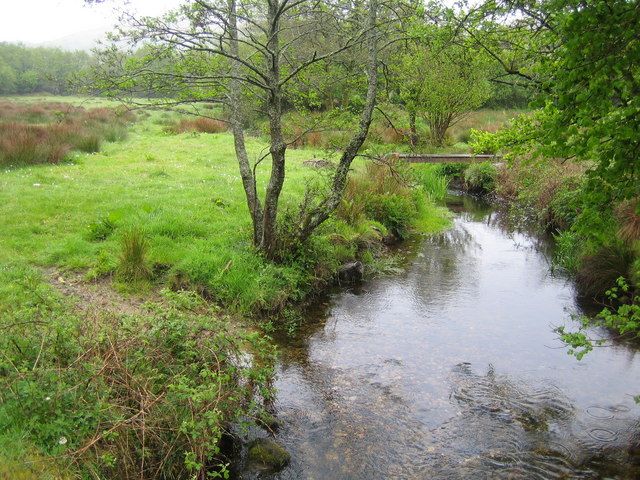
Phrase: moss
(265,454)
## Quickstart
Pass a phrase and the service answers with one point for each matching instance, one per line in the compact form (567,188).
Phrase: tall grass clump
(133,264)
(47,133)
(432,180)
(199,125)
(383,192)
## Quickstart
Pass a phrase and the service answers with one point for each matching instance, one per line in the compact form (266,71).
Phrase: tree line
(25,70)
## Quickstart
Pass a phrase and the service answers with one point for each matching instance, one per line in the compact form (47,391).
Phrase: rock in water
(267,455)
(351,272)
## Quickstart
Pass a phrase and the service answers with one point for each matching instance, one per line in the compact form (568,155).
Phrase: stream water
(451,369)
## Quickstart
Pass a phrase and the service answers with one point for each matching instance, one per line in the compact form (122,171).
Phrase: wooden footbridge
(444,158)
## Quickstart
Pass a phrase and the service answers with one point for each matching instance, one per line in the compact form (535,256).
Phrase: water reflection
(452,370)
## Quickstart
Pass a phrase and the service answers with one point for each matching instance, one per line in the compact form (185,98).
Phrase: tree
(247,56)
(442,84)
(8,78)
(581,59)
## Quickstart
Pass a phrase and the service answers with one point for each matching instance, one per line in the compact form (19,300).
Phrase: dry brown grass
(47,132)
(628,215)
(199,124)
(298,137)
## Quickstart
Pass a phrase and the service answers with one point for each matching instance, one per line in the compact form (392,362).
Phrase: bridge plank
(445,158)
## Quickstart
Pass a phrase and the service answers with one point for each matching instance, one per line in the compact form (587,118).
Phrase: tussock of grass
(134,265)
(200,125)
(47,132)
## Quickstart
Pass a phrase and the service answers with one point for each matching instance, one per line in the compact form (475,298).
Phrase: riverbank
(128,272)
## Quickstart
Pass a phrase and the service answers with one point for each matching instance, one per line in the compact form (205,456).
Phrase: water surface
(452,370)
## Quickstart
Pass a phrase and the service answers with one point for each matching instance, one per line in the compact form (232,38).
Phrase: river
(451,369)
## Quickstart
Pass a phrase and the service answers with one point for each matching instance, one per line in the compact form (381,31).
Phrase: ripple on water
(602,434)
(601,413)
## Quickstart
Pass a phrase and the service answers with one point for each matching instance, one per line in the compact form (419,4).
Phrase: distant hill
(85,40)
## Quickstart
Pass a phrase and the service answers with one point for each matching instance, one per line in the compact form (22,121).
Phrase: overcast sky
(37,21)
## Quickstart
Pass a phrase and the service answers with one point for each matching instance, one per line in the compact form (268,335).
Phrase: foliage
(621,316)
(480,177)
(259,62)
(149,395)
(26,70)
(483,142)
(580,60)
(443,84)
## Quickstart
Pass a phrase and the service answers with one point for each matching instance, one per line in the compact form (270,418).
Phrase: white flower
(62,441)
(47,399)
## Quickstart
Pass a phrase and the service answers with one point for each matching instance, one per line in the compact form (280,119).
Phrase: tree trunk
(438,126)
(317,216)
(269,243)
(413,132)
(248,179)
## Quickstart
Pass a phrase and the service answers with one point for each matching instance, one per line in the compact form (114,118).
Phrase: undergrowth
(148,396)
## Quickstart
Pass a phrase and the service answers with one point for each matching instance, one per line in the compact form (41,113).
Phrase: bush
(482,142)
(146,396)
(480,177)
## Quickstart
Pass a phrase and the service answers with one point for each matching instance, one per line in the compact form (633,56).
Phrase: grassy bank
(125,275)
(183,193)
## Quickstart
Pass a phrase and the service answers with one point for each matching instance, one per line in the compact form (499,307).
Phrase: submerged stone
(351,272)
(266,454)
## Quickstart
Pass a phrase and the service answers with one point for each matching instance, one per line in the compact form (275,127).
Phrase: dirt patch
(97,296)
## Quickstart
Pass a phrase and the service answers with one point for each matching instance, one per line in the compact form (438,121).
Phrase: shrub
(483,142)
(133,264)
(145,396)
(480,177)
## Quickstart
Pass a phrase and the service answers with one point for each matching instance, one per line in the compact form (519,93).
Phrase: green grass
(21,461)
(182,191)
